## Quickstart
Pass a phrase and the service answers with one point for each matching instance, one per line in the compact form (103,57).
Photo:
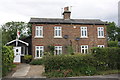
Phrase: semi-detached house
(81,34)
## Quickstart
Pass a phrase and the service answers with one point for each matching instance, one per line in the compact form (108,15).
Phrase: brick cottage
(81,34)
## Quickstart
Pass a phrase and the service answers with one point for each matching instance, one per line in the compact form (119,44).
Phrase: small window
(84,49)
(101,46)
(16,50)
(39,31)
(57,32)
(83,32)
(39,51)
(100,32)
(58,50)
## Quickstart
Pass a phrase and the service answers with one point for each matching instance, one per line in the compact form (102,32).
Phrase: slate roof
(62,21)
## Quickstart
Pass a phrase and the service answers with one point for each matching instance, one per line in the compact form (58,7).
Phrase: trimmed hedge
(100,59)
(107,58)
(77,63)
(7,59)
(112,43)
(37,62)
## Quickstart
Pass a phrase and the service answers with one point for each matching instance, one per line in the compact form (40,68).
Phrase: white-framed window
(83,32)
(57,32)
(39,31)
(39,51)
(84,49)
(101,46)
(58,50)
(100,32)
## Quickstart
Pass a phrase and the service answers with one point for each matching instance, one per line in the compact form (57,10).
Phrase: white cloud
(22,10)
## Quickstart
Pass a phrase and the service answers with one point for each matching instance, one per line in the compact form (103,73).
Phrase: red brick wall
(48,36)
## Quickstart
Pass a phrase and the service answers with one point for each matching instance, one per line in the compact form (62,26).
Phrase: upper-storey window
(83,32)
(39,31)
(100,32)
(57,32)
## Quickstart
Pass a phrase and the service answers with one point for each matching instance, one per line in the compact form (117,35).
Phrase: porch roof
(27,44)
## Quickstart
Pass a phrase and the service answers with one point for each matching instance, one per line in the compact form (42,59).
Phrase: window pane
(59,33)
(102,33)
(85,33)
(82,50)
(82,46)
(86,51)
(37,53)
(55,52)
(41,53)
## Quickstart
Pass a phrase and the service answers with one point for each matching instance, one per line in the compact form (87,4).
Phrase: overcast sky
(23,10)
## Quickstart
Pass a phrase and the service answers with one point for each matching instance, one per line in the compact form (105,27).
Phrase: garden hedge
(107,58)
(37,62)
(7,59)
(77,63)
(100,59)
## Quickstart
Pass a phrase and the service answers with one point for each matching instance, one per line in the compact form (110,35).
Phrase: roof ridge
(63,19)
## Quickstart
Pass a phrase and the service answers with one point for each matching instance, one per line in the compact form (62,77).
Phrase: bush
(37,62)
(112,43)
(27,58)
(107,58)
(66,62)
(88,70)
(7,59)
(100,59)
(70,50)
(58,73)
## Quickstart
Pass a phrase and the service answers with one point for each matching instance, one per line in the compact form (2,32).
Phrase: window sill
(101,37)
(38,37)
(37,57)
(83,37)
(57,37)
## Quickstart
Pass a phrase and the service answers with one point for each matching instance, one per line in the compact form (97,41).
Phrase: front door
(17,54)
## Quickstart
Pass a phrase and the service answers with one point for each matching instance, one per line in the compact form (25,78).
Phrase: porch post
(16,42)
(27,50)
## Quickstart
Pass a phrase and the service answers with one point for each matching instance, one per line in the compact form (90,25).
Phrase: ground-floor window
(58,50)
(101,46)
(84,49)
(39,51)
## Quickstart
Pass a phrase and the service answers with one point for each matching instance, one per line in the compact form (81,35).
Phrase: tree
(113,32)
(9,30)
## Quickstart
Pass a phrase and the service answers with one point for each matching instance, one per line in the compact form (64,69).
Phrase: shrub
(88,70)
(27,58)
(37,62)
(7,59)
(100,59)
(112,43)
(66,62)
(51,49)
(107,58)
(58,73)
(70,50)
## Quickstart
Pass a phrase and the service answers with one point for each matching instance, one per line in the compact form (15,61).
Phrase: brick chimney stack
(66,13)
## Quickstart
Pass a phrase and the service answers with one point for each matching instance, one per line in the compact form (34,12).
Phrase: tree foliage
(9,30)
(113,32)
